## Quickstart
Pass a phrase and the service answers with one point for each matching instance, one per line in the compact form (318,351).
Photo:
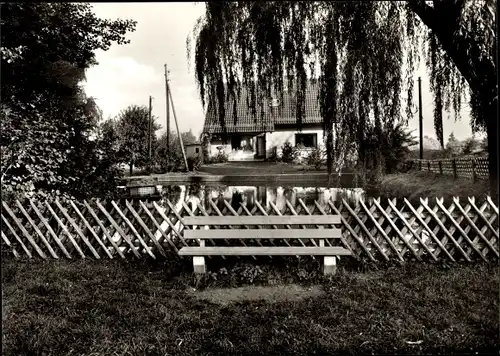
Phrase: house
(193,149)
(255,137)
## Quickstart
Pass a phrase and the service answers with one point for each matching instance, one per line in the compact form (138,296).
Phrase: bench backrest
(263,220)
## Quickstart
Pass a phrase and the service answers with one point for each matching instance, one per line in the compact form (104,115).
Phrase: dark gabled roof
(248,123)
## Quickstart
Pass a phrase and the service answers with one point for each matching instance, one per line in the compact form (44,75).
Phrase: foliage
(316,158)
(469,146)
(48,137)
(484,144)
(194,163)
(220,157)
(289,153)
(188,138)
(273,156)
(430,154)
(256,45)
(132,127)
(452,144)
(393,144)
(169,157)
(205,140)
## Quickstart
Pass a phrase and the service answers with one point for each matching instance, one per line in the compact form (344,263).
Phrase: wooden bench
(318,234)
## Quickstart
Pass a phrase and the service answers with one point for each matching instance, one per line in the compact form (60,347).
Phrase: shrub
(194,163)
(316,158)
(289,153)
(221,157)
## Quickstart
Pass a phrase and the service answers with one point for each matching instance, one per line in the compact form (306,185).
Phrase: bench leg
(329,265)
(199,262)
(199,265)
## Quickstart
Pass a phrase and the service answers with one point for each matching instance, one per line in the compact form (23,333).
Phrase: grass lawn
(427,184)
(136,308)
(250,167)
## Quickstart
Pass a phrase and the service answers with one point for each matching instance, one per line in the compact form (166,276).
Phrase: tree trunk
(131,167)
(492,131)
(329,152)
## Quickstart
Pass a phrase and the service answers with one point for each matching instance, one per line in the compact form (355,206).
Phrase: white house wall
(279,137)
(213,148)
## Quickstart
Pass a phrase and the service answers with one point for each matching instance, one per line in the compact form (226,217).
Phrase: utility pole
(150,126)
(168,111)
(178,132)
(420,118)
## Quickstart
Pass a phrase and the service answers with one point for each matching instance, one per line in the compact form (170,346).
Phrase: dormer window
(274,103)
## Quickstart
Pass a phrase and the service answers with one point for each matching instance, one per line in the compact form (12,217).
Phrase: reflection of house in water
(248,195)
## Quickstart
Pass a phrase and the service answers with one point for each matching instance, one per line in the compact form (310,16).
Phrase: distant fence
(473,168)
(463,231)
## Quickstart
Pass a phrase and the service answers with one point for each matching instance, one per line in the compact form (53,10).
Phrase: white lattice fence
(378,230)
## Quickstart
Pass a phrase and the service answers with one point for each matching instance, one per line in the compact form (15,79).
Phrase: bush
(194,163)
(289,153)
(221,157)
(316,159)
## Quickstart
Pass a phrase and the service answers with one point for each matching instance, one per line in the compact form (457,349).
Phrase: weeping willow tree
(363,55)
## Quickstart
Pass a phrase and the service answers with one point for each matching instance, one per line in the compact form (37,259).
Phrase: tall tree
(357,50)
(48,123)
(132,127)
(188,137)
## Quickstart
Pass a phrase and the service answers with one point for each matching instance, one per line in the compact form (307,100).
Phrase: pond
(250,196)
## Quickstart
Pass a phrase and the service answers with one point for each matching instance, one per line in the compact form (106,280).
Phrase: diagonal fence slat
(249,213)
(389,242)
(12,248)
(37,230)
(471,223)
(342,239)
(119,229)
(431,233)
(365,229)
(65,229)
(413,232)
(145,228)
(50,230)
(457,245)
(136,233)
(16,236)
(380,229)
(78,230)
(171,225)
(103,229)
(462,232)
(158,226)
(353,233)
(480,214)
(397,231)
(85,221)
(24,231)
(205,213)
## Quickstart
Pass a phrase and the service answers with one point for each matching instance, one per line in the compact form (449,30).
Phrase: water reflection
(235,196)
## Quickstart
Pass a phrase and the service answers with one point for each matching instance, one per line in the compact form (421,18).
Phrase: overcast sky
(128,74)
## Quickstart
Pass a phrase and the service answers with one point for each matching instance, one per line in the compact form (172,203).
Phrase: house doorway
(261,147)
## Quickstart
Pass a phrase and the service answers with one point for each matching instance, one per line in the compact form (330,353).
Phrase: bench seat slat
(263,251)
(263,220)
(263,234)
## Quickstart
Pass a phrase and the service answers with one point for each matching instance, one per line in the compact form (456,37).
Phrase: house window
(306,140)
(197,150)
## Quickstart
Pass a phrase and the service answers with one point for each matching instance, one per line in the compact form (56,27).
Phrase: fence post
(419,165)
(440,167)
(429,166)
(473,169)
(454,165)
